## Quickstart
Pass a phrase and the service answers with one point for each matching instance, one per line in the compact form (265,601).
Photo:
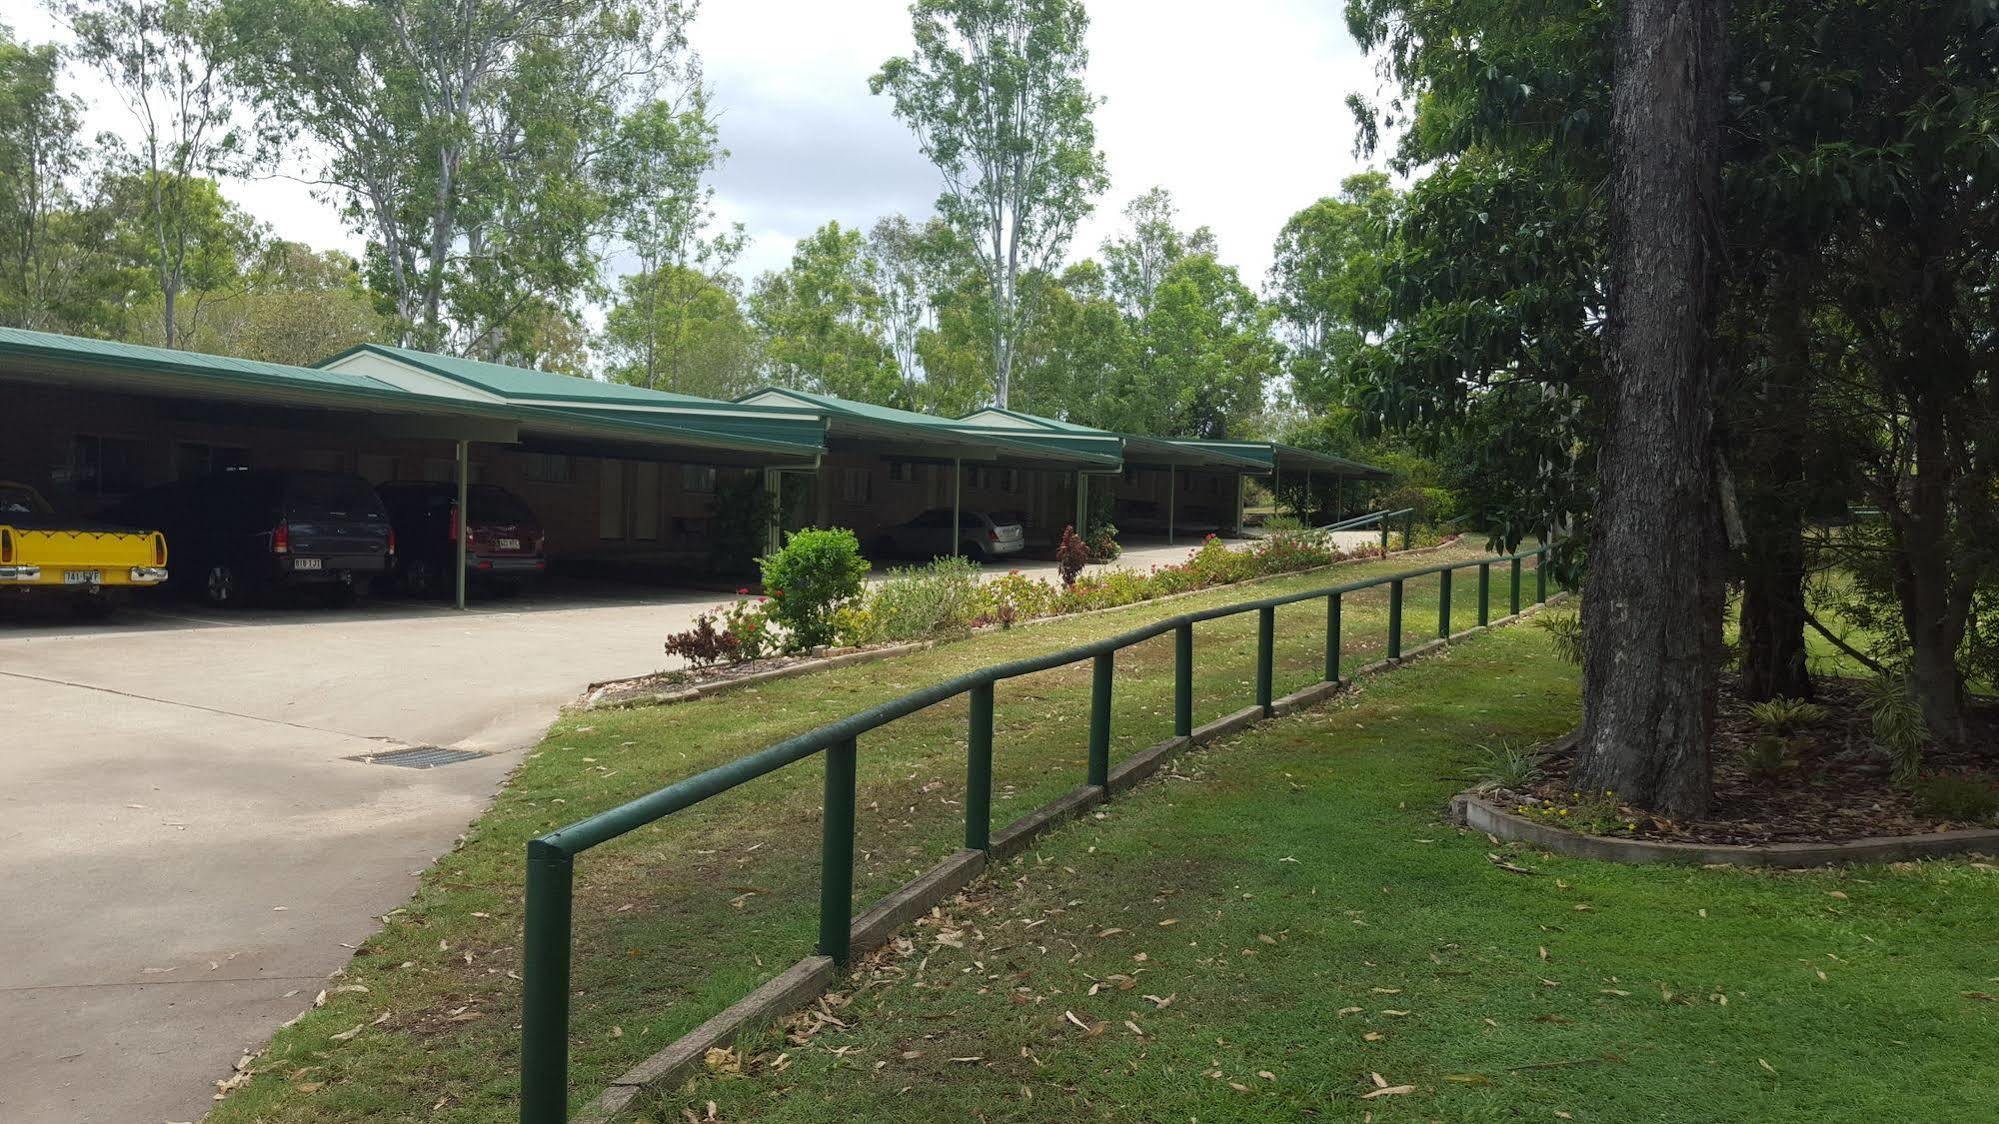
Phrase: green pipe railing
(551,859)
(1358,522)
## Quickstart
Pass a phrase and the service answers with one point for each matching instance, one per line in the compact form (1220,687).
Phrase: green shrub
(920,601)
(1565,630)
(739,522)
(1284,552)
(1215,564)
(1960,798)
(1899,730)
(1013,597)
(815,573)
(1770,756)
(1508,766)
(1786,716)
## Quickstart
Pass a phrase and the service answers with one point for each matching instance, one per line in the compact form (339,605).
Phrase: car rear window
(497,505)
(310,495)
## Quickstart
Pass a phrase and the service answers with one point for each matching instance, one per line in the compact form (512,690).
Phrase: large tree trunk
(1772,451)
(1934,602)
(1651,606)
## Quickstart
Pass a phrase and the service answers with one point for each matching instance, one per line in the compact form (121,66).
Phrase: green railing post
(1183,681)
(836,853)
(1395,619)
(1384,538)
(1541,576)
(1266,650)
(1516,586)
(545,990)
(979,770)
(1484,594)
(1409,531)
(1100,721)
(1333,638)
(1444,605)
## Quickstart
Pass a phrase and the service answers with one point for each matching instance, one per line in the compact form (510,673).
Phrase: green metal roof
(135,367)
(525,384)
(1272,455)
(1132,446)
(868,419)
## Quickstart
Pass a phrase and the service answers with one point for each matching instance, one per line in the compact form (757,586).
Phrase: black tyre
(221,586)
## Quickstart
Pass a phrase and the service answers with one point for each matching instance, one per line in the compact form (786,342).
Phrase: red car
(504,543)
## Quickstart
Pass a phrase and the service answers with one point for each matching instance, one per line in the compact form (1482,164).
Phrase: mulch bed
(646,685)
(1839,790)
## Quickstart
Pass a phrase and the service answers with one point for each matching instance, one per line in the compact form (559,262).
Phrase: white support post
(957,503)
(1305,516)
(1238,504)
(1082,504)
(464,470)
(773,487)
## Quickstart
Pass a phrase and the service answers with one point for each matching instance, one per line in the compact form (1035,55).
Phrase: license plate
(308,563)
(509,544)
(83,577)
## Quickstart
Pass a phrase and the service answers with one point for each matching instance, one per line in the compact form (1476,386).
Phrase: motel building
(624,480)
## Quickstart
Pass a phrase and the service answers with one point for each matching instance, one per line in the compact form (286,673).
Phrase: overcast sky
(1236,108)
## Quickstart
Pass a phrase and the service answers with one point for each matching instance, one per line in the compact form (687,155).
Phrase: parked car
(86,561)
(504,546)
(981,535)
(243,532)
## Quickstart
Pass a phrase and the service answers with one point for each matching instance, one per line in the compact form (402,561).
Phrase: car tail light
(6,544)
(392,540)
(159,549)
(281,539)
(992,535)
(451,532)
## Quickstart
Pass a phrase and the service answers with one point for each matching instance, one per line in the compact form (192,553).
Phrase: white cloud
(1237,109)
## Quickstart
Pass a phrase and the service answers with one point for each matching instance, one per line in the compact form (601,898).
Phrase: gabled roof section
(22,344)
(867,420)
(1135,447)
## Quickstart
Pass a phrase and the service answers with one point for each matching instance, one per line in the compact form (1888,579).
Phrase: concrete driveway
(187,843)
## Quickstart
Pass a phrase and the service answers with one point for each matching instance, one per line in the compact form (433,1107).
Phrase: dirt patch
(1829,783)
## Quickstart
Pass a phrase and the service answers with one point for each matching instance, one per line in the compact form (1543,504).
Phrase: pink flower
(743,591)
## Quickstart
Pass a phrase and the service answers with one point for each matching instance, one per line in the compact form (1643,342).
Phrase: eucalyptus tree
(469,142)
(819,322)
(41,153)
(910,267)
(1136,263)
(164,59)
(994,92)
(1326,281)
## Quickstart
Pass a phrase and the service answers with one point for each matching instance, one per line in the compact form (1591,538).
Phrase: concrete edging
(813,975)
(1483,815)
(703,690)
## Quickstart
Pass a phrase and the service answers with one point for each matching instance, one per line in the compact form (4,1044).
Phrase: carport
(883,465)
(90,421)
(1275,460)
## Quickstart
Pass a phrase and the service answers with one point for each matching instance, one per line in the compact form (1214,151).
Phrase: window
(697,478)
(977,477)
(855,486)
(645,501)
(1010,479)
(104,466)
(610,499)
(1186,481)
(545,468)
(192,459)
(898,472)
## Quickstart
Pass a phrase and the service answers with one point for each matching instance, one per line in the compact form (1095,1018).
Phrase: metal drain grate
(419,757)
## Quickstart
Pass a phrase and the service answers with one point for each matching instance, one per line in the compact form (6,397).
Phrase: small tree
(815,573)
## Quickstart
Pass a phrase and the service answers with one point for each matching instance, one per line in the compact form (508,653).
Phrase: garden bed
(1822,779)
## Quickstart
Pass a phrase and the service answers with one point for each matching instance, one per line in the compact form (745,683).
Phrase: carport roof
(136,368)
(865,419)
(1132,446)
(1273,455)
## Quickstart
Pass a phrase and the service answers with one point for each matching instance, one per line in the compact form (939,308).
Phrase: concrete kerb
(1480,814)
(814,975)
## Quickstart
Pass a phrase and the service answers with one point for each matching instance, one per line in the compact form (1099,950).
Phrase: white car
(981,535)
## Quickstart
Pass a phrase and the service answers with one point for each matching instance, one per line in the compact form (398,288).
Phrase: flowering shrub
(1284,551)
(1215,564)
(1014,597)
(749,623)
(815,573)
(1101,542)
(703,644)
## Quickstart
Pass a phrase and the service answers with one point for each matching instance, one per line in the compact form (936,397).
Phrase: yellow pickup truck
(44,554)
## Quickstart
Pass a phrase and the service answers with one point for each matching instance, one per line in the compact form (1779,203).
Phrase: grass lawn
(1257,936)
(676,921)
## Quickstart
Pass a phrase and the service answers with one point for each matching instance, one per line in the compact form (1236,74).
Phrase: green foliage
(680,330)
(918,602)
(703,644)
(819,319)
(994,92)
(1785,717)
(1508,766)
(739,519)
(1965,799)
(40,151)
(1900,732)
(1770,756)
(1565,631)
(814,574)
(1013,597)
